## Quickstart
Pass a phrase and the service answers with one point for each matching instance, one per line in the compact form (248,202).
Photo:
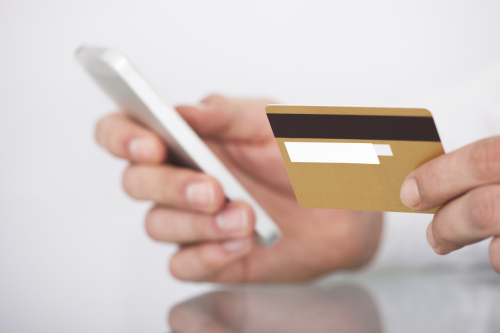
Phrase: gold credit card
(352,157)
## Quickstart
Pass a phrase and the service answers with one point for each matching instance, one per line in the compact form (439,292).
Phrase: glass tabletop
(426,301)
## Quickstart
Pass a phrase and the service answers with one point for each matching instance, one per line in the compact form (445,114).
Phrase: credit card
(353,158)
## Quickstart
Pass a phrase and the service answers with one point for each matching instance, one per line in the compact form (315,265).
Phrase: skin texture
(467,183)
(215,238)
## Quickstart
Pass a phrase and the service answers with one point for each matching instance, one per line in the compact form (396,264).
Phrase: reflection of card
(351,157)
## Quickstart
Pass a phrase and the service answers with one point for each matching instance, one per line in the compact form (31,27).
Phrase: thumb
(224,118)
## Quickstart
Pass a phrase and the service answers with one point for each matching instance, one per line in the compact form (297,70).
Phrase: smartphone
(114,73)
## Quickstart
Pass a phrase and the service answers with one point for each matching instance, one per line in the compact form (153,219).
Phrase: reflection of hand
(466,182)
(342,309)
(215,237)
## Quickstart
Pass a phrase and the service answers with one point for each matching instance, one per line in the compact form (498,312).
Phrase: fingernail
(409,193)
(232,219)
(430,238)
(236,245)
(142,149)
(200,194)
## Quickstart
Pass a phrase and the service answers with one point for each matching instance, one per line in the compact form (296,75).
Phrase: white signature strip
(383,150)
(332,152)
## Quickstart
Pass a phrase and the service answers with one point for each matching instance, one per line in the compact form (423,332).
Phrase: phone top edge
(102,61)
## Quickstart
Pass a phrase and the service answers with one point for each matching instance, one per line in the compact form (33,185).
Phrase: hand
(467,183)
(216,238)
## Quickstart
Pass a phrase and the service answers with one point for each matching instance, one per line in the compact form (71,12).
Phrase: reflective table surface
(382,302)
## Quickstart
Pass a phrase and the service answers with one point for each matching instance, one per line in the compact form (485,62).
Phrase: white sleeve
(463,114)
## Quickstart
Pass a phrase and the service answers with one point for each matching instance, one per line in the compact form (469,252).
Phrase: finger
(201,262)
(236,220)
(450,175)
(228,118)
(495,253)
(175,187)
(468,219)
(125,138)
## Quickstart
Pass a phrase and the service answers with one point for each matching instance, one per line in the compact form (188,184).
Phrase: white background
(73,252)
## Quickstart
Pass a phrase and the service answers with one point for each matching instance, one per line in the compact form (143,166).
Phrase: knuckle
(486,159)
(214,99)
(432,171)
(194,264)
(442,233)
(484,208)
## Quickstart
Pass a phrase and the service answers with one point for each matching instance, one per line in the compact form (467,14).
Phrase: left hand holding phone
(215,237)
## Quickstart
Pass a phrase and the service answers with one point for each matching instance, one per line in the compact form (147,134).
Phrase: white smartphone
(122,82)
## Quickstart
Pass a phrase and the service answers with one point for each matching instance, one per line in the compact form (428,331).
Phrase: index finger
(450,175)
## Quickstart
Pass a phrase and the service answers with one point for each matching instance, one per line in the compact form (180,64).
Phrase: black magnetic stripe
(352,127)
